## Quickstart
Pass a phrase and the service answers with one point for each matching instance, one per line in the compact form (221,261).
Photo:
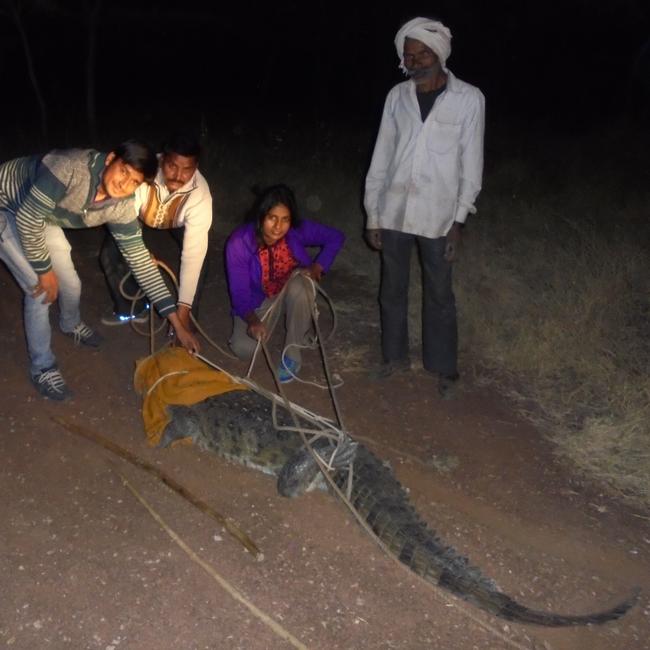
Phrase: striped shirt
(59,188)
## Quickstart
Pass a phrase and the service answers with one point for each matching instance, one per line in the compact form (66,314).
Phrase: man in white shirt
(179,201)
(422,182)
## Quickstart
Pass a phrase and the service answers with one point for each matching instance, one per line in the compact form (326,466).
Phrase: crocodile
(239,426)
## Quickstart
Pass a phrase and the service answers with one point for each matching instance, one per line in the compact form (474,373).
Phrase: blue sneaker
(288,370)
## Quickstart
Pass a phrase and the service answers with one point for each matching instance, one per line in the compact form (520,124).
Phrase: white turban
(430,32)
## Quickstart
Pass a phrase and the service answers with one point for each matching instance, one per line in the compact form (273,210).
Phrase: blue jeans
(36,316)
(439,326)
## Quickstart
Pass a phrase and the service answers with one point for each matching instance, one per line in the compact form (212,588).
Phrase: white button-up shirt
(426,175)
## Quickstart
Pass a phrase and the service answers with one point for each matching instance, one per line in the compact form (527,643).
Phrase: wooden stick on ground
(132,458)
(230,589)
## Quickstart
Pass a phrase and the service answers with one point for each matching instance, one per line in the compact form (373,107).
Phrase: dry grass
(553,293)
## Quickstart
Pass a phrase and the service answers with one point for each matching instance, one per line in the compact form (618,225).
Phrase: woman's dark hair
(140,156)
(267,199)
(183,144)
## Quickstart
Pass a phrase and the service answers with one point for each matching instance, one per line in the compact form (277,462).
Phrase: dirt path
(85,564)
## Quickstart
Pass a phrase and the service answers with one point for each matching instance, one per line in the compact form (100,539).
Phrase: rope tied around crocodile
(342,456)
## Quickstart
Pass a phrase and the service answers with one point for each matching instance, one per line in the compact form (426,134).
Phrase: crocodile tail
(383,503)
(504,606)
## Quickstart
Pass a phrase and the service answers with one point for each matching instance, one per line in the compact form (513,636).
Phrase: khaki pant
(296,303)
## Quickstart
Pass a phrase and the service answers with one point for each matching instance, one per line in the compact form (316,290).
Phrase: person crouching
(268,268)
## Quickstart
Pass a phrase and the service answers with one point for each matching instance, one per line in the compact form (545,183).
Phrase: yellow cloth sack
(172,376)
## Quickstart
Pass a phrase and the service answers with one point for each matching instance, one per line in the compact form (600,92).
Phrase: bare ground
(85,565)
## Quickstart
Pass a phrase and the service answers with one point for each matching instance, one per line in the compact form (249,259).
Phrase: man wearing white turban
(424,177)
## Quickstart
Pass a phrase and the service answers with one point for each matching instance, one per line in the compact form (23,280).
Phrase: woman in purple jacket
(262,256)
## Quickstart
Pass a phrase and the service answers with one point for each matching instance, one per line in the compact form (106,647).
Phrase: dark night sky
(568,63)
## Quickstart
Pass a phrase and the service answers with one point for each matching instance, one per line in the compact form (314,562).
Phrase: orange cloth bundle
(172,376)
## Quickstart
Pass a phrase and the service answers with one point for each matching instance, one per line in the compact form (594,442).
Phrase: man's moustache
(420,73)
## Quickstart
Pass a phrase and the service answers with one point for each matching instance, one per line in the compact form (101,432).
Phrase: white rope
(316,289)
(152,331)
(273,397)
(169,374)
(324,426)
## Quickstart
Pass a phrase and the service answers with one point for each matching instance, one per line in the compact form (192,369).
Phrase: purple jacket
(245,271)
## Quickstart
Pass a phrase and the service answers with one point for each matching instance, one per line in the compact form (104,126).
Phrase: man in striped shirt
(74,188)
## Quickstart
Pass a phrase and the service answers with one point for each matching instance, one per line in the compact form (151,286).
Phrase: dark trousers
(115,268)
(439,326)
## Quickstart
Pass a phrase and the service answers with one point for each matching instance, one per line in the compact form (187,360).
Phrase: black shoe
(389,368)
(447,385)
